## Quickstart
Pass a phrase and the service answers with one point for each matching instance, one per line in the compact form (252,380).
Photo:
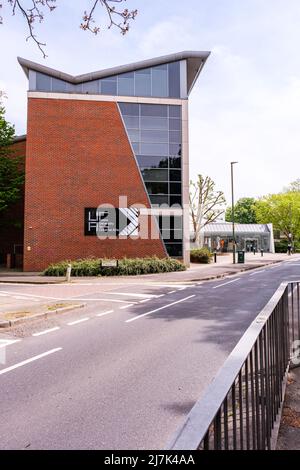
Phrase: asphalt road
(122,372)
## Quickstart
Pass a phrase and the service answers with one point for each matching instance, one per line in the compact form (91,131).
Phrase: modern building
(249,237)
(116,138)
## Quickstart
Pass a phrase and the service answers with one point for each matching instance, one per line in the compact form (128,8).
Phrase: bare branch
(113,14)
(118,17)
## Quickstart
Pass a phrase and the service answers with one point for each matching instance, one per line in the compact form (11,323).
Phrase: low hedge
(126,267)
(201,255)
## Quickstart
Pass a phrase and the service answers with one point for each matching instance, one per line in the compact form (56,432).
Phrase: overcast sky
(246,103)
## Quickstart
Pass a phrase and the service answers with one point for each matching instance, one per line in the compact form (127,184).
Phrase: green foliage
(244,211)
(282,210)
(201,255)
(281,246)
(126,267)
(11,176)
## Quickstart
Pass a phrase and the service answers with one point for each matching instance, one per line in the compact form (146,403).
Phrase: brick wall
(12,220)
(78,156)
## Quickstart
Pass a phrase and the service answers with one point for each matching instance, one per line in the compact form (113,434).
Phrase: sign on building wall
(111,222)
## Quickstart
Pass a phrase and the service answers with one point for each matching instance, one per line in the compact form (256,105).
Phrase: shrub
(281,246)
(201,255)
(126,267)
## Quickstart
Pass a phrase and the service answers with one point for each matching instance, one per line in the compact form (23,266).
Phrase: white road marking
(258,272)
(27,361)
(8,342)
(127,306)
(30,296)
(131,294)
(160,308)
(3,295)
(225,283)
(104,313)
(172,292)
(145,300)
(46,331)
(178,286)
(78,321)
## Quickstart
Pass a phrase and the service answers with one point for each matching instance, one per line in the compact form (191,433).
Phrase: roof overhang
(195,62)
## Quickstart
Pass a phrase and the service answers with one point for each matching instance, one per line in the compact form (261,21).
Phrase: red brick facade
(12,220)
(78,156)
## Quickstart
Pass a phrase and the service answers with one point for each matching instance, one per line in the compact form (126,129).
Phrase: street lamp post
(232,213)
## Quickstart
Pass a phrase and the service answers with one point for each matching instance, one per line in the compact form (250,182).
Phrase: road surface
(122,372)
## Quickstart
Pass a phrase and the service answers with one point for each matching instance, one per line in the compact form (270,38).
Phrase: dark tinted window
(175,200)
(158,200)
(174,80)
(175,188)
(152,162)
(174,249)
(155,175)
(175,175)
(175,149)
(157,188)
(175,162)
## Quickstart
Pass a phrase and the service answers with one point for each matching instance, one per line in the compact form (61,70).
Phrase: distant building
(218,236)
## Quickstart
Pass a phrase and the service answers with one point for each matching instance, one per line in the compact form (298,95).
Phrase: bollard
(215,256)
(68,276)
(262,252)
(254,251)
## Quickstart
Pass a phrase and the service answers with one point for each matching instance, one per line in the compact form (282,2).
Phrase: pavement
(289,431)
(123,371)
(197,272)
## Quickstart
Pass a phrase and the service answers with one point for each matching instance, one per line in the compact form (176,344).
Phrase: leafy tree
(283,210)
(244,211)
(206,204)
(118,17)
(294,186)
(11,175)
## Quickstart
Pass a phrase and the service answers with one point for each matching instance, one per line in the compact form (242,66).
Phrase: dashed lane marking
(44,332)
(225,283)
(104,313)
(8,342)
(78,321)
(27,361)
(126,306)
(132,294)
(160,308)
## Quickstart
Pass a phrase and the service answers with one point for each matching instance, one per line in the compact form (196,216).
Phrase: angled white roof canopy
(195,62)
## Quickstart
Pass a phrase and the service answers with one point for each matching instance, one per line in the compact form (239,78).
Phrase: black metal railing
(241,408)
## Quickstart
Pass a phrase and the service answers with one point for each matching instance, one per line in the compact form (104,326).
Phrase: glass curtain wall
(162,81)
(155,135)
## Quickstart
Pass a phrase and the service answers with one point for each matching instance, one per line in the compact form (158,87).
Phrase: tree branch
(37,10)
